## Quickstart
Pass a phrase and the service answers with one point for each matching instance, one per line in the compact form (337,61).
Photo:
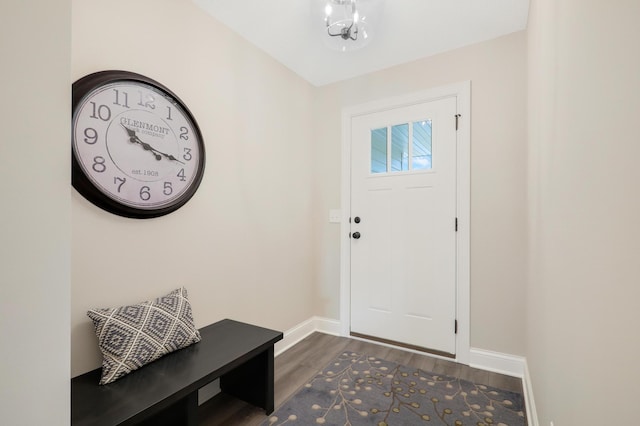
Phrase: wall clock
(137,150)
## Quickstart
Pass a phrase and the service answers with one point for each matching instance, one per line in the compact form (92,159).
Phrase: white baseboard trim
(510,365)
(527,387)
(208,391)
(305,328)
(328,326)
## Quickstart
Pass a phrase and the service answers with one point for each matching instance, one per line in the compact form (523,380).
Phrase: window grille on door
(391,151)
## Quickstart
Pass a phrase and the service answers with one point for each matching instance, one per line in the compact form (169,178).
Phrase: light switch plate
(335,216)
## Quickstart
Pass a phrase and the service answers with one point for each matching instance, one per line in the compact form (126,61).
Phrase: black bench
(165,392)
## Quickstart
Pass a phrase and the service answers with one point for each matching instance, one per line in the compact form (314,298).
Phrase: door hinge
(456,224)
(455,327)
(457,119)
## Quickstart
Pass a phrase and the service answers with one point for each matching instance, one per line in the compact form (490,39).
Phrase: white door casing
(364,117)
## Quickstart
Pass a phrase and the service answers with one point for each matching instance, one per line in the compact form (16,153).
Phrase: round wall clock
(137,150)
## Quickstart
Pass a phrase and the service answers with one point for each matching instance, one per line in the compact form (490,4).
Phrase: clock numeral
(169,113)
(181,175)
(121,180)
(184,133)
(102,112)
(90,136)
(147,101)
(98,164)
(125,96)
(187,154)
(168,190)
(145,195)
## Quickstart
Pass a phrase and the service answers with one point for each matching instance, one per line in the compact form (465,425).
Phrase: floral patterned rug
(357,389)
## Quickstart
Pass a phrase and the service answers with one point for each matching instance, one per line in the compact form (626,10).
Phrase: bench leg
(252,381)
(191,409)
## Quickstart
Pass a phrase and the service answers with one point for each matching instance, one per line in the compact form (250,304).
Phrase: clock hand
(130,132)
(170,157)
(157,154)
(148,147)
(134,139)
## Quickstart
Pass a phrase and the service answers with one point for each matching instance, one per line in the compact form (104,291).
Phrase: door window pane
(400,147)
(421,145)
(379,150)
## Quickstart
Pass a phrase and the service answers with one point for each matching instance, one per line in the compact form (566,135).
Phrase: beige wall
(35,216)
(497,70)
(242,246)
(583,292)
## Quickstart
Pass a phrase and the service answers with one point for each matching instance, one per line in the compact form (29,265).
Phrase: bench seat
(165,392)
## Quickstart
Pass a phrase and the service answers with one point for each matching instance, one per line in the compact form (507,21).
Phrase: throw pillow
(132,336)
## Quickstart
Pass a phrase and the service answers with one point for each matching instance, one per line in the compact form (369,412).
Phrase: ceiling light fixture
(348,23)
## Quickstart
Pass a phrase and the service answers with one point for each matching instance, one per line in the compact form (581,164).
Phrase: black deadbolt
(357,219)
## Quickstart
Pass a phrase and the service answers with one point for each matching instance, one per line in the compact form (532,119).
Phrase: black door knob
(356,235)
(357,219)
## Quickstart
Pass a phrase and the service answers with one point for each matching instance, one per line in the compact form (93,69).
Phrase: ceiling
(406,30)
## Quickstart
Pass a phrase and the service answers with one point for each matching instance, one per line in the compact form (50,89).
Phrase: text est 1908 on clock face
(137,145)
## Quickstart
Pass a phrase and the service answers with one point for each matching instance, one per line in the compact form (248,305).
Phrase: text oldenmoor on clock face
(135,144)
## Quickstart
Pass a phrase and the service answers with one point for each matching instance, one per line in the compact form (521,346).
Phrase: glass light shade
(345,24)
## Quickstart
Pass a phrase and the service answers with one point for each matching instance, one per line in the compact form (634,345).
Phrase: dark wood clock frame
(83,184)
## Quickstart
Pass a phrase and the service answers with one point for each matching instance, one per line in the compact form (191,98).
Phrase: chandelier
(348,23)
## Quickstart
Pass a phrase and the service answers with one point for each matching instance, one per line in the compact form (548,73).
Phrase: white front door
(403,225)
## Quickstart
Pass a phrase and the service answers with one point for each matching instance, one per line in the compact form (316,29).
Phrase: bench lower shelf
(166,391)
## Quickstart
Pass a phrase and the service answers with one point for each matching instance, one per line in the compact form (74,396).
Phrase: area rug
(356,389)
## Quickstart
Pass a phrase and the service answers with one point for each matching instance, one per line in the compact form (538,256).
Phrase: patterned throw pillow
(132,336)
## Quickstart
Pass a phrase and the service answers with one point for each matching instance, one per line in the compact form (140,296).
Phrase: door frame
(462,92)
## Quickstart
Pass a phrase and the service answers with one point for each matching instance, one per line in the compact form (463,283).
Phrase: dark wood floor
(301,362)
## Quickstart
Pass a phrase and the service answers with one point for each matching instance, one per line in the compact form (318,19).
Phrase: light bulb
(328,10)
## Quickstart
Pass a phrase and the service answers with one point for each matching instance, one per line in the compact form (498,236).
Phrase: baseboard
(208,391)
(527,387)
(328,326)
(510,365)
(305,328)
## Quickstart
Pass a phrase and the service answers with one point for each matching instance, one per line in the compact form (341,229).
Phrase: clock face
(137,150)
